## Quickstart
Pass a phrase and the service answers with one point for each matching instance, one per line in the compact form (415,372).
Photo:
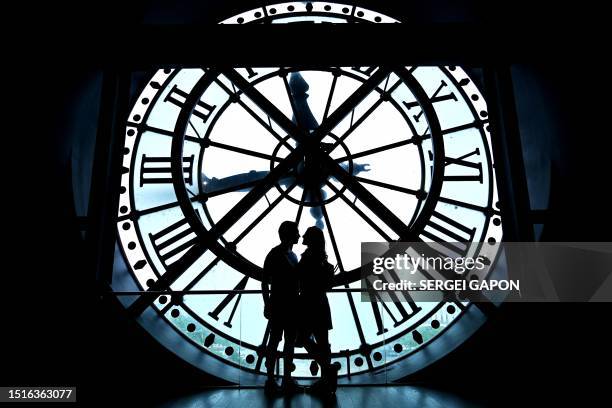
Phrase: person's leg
(288,350)
(276,332)
(329,374)
(322,338)
(319,350)
(314,351)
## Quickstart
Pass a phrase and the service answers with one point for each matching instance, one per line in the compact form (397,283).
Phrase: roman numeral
(398,303)
(365,70)
(177,97)
(448,232)
(436,97)
(226,301)
(157,170)
(251,73)
(173,240)
(461,161)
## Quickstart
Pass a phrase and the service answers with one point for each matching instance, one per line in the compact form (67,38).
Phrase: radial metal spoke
(134,215)
(200,275)
(485,210)
(327,125)
(243,151)
(257,192)
(346,286)
(332,238)
(265,105)
(373,203)
(366,115)
(267,126)
(360,212)
(351,102)
(261,216)
(379,149)
(388,186)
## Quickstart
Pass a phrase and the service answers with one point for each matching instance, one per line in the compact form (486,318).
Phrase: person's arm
(265,288)
(329,274)
(299,271)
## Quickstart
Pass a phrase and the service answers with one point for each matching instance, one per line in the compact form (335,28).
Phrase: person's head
(315,240)
(288,232)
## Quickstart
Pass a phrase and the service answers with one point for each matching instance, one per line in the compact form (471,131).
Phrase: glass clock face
(215,161)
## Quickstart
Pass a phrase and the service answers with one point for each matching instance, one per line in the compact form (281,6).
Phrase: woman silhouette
(315,274)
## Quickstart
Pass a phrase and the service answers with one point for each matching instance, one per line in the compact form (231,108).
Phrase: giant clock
(214,161)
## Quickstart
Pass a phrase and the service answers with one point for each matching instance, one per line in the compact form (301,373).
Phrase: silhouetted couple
(295,299)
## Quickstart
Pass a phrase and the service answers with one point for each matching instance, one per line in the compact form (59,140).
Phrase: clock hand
(214,184)
(306,171)
(303,116)
(313,181)
(210,185)
(357,168)
(316,195)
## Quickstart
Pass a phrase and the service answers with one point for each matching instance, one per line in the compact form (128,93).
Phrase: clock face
(215,161)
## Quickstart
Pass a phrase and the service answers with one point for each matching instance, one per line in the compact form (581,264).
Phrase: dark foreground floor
(357,397)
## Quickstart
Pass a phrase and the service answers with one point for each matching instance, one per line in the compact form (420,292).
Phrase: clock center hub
(311,176)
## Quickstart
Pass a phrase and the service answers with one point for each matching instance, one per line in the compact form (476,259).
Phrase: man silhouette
(280,290)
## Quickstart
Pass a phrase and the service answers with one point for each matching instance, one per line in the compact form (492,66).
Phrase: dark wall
(58,331)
